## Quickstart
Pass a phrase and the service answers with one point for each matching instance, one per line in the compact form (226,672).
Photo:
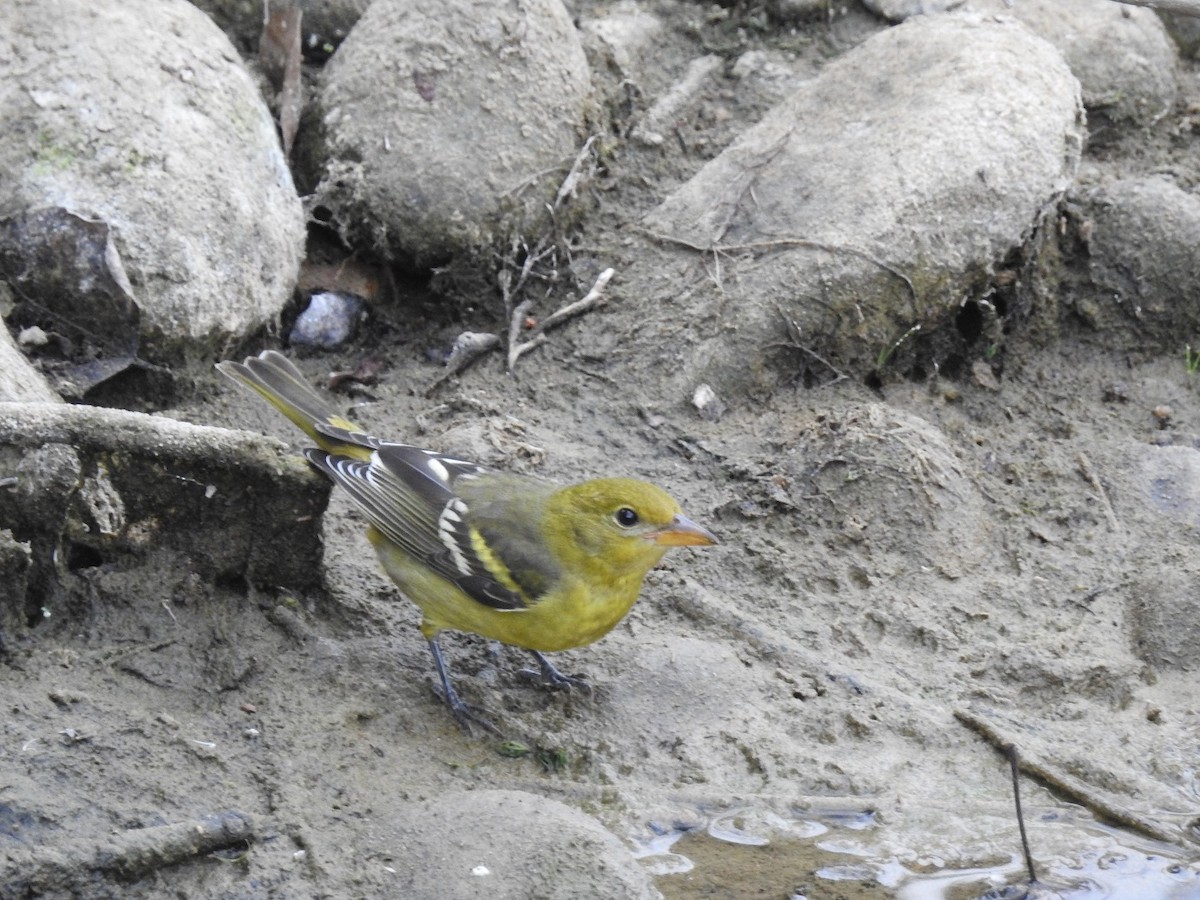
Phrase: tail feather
(276,379)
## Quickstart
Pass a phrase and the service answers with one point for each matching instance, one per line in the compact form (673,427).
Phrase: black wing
(409,495)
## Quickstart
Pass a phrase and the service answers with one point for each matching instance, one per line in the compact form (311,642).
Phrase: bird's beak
(682,532)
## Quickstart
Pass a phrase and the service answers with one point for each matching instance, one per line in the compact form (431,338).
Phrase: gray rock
(899,10)
(1168,479)
(849,457)
(518,845)
(856,219)
(1122,55)
(16,558)
(19,381)
(140,116)
(1184,30)
(65,272)
(1162,614)
(623,32)
(771,74)
(446,127)
(97,486)
(328,322)
(1141,235)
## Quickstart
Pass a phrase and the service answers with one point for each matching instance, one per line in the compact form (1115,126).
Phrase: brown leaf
(347,277)
(366,372)
(279,51)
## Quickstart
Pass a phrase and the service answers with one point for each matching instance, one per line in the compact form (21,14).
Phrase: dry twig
(594,298)
(789,242)
(1069,786)
(127,855)
(570,184)
(666,109)
(1085,466)
(514,282)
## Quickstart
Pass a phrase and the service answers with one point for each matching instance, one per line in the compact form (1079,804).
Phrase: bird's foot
(465,714)
(468,717)
(548,676)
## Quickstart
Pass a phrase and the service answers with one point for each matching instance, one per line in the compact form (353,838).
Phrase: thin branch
(594,298)
(679,95)
(126,856)
(516,351)
(1069,786)
(568,184)
(794,342)
(1089,473)
(1014,762)
(789,242)
(515,323)
(571,183)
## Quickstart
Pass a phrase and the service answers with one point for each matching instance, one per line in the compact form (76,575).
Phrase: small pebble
(1116,392)
(982,375)
(329,321)
(707,403)
(33,337)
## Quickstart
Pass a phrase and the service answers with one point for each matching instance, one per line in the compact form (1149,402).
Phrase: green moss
(52,156)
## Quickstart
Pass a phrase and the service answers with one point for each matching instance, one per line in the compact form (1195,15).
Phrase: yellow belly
(570,616)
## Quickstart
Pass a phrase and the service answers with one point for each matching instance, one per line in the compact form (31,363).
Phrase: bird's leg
(464,713)
(550,677)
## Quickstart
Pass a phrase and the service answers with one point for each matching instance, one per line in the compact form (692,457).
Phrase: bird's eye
(626,517)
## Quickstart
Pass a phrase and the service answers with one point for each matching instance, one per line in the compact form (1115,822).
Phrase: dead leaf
(279,51)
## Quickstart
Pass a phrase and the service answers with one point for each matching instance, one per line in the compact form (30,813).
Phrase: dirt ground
(1015,546)
(162,699)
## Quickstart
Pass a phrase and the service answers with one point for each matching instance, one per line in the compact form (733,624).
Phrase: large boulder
(860,218)
(444,127)
(135,127)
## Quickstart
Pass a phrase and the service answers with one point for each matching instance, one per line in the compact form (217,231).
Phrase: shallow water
(745,853)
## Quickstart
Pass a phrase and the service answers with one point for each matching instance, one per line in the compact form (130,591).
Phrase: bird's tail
(274,377)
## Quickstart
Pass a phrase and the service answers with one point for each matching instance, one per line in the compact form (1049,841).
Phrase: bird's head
(622,524)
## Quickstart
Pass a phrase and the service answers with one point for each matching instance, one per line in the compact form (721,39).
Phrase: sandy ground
(796,669)
(1015,547)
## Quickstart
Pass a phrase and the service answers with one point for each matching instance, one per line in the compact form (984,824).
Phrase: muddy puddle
(839,855)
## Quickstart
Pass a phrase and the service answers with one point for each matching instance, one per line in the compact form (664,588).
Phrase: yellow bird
(510,557)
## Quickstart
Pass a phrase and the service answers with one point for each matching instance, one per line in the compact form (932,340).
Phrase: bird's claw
(548,676)
(556,682)
(465,714)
